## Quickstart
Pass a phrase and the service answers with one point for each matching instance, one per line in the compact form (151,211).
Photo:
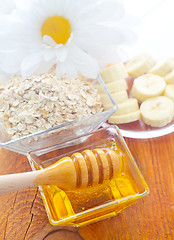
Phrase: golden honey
(81,206)
(65,204)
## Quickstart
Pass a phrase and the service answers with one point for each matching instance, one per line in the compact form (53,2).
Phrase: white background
(155,27)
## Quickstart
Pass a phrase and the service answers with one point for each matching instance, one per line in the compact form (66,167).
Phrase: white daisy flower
(74,35)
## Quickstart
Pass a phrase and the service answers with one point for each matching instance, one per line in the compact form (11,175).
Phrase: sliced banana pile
(152,91)
(115,80)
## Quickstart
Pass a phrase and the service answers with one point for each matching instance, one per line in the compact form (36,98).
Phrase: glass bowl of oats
(43,109)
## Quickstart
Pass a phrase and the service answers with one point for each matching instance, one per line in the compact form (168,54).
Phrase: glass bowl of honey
(108,182)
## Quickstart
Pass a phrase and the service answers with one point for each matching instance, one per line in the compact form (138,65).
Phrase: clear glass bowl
(90,204)
(60,132)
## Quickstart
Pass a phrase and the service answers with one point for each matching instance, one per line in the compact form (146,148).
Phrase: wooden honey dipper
(87,168)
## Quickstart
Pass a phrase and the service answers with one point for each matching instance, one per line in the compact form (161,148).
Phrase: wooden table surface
(22,214)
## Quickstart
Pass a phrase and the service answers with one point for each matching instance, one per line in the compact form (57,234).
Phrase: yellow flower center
(58,28)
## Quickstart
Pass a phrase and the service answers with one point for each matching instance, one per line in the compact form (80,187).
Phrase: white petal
(72,10)
(10,61)
(49,41)
(6,21)
(21,4)
(112,10)
(44,67)
(93,11)
(61,54)
(30,63)
(20,36)
(67,68)
(6,6)
(98,33)
(86,65)
(49,9)
(93,49)
(49,54)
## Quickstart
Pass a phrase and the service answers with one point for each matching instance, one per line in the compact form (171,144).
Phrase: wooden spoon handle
(14,182)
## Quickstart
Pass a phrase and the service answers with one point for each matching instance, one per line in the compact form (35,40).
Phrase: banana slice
(146,86)
(125,118)
(114,73)
(115,86)
(139,65)
(163,68)
(157,111)
(169,78)
(131,105)
(118,97)
(169,91)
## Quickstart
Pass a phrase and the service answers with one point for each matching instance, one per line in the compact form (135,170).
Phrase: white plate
(139,129)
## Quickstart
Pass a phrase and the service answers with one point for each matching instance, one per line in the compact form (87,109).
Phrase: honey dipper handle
(14,182)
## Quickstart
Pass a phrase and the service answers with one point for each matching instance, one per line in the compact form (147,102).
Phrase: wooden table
(22,214)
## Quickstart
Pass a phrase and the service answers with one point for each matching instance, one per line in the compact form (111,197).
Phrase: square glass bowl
(61,132)
(98,201)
